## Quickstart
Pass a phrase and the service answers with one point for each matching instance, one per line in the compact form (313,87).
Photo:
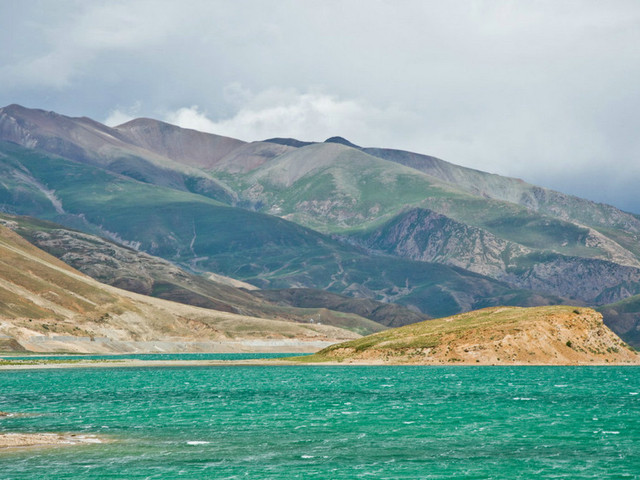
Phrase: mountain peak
(342,141)
(289,142)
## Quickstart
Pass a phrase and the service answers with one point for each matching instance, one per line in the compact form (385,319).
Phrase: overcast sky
(548,91)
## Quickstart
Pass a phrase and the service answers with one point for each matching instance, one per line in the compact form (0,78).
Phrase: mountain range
(307,224)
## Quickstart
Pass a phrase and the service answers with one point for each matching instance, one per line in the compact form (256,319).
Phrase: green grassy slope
(337,189)
(91,142)
(205,235)
(389,314)
(495,225)
(623,227)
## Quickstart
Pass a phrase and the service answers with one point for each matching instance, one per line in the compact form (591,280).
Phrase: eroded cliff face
(596,282)
(428,236)
(424,235)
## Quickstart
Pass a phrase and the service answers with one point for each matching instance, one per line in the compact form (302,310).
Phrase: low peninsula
(550,335)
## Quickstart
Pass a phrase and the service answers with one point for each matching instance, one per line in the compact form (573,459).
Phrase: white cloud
(121,115)
(193,118)
(288,113)
(66,47)
(533,89)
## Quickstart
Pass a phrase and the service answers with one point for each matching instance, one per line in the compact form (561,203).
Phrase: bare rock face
(595,281)
(424,235)
(428,236)
(557,335)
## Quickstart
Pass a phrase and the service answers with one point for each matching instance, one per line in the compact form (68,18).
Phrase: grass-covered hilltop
(557,335)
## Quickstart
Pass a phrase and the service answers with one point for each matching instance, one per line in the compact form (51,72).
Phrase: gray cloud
(545,91)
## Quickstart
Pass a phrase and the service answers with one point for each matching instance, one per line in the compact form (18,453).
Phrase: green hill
(129,269)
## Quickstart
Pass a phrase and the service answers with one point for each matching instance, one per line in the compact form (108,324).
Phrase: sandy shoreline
(24,440)
(136,363)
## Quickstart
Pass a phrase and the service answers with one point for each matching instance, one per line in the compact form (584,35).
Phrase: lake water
(327,422)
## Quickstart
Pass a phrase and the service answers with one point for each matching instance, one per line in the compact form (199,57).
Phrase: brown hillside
(555,335)
(46,305)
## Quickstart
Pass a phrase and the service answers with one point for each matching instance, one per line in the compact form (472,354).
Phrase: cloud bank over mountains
(545,91)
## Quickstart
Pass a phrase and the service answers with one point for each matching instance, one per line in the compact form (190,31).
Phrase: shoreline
(12,440)
(137,363)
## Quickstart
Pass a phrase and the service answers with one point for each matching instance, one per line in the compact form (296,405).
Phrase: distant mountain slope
(623,317)
(45,305)
(557,335)
(335,188)
(424,235)
(90,142)
(377,220)
(204,235)
(549,202)
(389,314)
(249,157)
(185,146)
(138,272)
(397,210)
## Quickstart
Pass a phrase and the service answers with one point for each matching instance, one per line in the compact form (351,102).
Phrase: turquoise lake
(327,422)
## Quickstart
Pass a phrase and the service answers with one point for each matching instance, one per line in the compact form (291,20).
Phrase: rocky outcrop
(596,282)
(424,235)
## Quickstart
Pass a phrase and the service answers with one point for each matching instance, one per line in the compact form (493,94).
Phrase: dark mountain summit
(342,141)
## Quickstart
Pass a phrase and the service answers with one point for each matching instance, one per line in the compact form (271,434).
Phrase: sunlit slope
(557,335)
(382,206)
(622,227)
(182,145)
(46,305)
(129,269)
(395,209)
(339,189)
